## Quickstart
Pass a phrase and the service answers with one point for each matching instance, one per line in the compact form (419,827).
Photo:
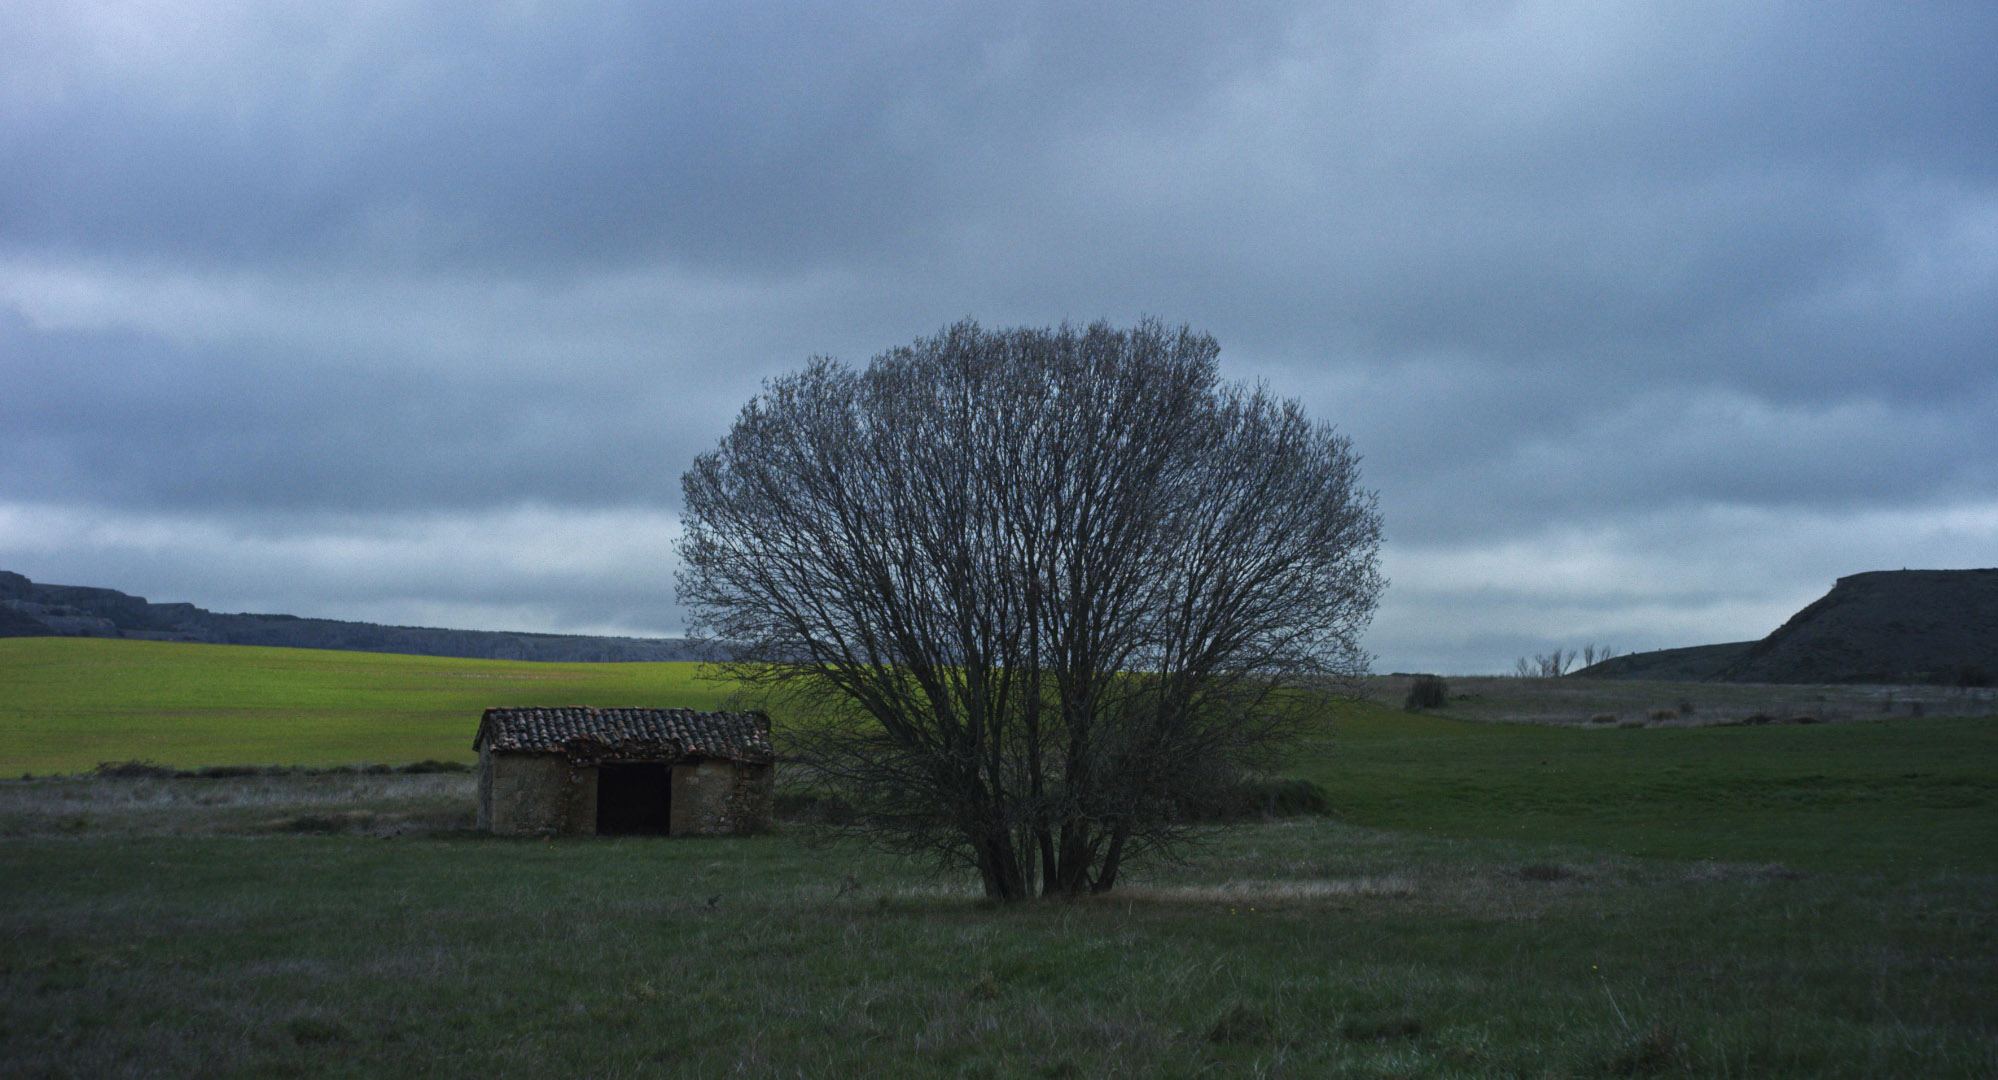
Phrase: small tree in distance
(1556,664)
(1041,591)
(1426,692)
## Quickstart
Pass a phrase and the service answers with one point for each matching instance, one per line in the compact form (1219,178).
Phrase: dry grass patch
(376,804)
(1265,891)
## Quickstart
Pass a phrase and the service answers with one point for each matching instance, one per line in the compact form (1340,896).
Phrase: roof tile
(584,733)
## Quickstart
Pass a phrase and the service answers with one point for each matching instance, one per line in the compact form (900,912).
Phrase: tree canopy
(1040,590)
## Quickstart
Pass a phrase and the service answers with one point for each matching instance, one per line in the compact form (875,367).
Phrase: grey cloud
(1554,267)
(124,420)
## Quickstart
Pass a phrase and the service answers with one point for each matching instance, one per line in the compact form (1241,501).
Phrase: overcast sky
(1649,320)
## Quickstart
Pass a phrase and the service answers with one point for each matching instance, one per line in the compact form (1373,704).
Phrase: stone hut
(584,771)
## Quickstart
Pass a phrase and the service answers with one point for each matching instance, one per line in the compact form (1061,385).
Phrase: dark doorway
(634,799)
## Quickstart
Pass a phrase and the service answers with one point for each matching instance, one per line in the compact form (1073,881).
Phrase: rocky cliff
(1888,626)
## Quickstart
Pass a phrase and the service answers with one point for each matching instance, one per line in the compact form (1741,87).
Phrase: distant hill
(28,609)
(1888,626)
(1696,663)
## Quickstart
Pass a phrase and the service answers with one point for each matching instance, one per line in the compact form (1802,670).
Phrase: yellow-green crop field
(68,703)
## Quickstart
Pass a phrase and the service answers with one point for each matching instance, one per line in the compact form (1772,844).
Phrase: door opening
(634,799)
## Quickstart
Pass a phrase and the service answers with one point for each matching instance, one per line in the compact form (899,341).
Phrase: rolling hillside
(29,609)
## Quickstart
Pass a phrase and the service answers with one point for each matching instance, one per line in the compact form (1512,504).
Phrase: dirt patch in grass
(1264,891)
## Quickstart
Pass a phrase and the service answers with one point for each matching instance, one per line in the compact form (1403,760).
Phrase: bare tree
(1040,590)
(1556,664)
(1544,665)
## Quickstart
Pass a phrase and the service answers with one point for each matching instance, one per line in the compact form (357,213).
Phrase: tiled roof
(586,734)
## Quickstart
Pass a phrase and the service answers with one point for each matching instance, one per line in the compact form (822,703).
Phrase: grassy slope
(70,703)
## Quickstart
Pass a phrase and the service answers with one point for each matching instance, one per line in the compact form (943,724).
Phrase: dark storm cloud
(341,291)
(759,135)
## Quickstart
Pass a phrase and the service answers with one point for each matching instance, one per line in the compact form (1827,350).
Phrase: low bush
(811,806)
(1426,692)
(134,770)
(1248,799)
(1262,797)
(431,765)
(224,772)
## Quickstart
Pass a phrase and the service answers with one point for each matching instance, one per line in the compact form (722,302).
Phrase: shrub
(134,770)
(1664,714)
(1426,692)
(224,772)
(812,806)
(1603,718)
(431,765)
(1969,675)
(1261,797)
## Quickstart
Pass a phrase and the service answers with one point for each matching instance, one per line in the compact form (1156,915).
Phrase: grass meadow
(1487,899)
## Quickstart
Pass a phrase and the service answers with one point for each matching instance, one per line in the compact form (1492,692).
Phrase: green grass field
(193,927)
(1891,793)
(1489,899)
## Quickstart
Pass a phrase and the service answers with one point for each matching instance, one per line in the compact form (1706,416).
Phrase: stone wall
(718,797)
(541,794)
(534,794)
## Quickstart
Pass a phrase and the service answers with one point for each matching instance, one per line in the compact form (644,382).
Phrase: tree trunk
(1071,877)
(1107,877)
(1000,869)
